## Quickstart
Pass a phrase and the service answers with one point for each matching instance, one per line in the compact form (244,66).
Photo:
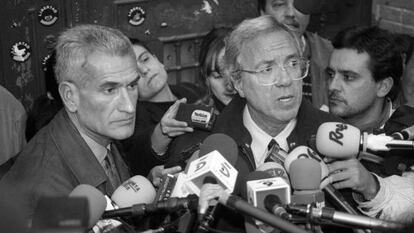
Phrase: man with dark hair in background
(316,49)
(364,69)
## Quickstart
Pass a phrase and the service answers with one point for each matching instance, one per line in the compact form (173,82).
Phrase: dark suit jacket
(54,162)
(230,122)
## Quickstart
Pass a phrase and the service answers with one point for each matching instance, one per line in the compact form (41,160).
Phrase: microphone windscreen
(306,152)
(136,190)
(338,140)
(275,170)
(305,174)
(255,175)
(96,200)
(224,144)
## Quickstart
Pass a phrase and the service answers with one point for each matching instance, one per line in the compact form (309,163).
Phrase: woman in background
(155,126)
(220,91)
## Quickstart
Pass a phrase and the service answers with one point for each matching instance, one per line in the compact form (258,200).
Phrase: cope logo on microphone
(200,116)
(337,135)
(131,185)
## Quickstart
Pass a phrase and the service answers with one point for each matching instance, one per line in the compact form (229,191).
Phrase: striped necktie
(275,153)
(110,169)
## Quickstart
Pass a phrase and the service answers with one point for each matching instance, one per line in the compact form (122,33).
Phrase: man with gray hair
(97,74)
(267,66)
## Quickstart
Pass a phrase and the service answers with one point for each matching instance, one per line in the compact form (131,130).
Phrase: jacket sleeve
(394,200)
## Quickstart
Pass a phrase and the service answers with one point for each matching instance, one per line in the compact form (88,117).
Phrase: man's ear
(384,86)
(238,85)
(70,95)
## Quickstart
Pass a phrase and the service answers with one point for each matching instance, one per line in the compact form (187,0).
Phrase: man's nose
(128,101)
(334,83)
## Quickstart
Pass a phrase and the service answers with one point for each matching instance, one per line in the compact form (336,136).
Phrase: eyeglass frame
(282,67)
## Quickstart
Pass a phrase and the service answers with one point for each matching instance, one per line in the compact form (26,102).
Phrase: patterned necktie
(110,170)
(275,153)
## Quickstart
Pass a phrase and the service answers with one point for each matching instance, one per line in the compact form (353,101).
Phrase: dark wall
(173,28)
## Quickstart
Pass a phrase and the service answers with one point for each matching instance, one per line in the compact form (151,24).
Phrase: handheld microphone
(259,184)
(170,205)
(96,201)
(245,208)
(405,134)
(349,220)
(135,190)
(305,176)
(274,170)
(339,140)
(217,154)
(213,168)
(180,188)
(197,116)
(274,205)
(306,152)
(99,202)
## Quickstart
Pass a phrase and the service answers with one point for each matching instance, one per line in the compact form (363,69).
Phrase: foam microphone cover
(306,152)
(223,143)
(136,190)
(305,174)
(338,140)
(96,201)
(275,170)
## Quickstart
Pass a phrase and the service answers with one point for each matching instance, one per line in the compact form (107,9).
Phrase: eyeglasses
(296,69)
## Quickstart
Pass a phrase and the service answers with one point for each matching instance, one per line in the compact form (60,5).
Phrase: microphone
(135,190)
(260,184)
(213,168)
(96,201)
(330,191)
(245,208)
(196,116)
(180,188)
(274,205)
(274,170)
(339,140)
(306,152)
(350,220)
(213,163)
(171,205)
(405,134)
(305,176)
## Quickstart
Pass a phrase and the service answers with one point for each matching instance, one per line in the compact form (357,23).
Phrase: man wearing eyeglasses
(295,15)
(267,67)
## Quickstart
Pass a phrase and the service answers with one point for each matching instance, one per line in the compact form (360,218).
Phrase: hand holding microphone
(168,128)
(158,172)
(352,174)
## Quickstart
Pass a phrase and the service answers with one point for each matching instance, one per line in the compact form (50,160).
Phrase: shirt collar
(383,118)
(97,149)
(260,139)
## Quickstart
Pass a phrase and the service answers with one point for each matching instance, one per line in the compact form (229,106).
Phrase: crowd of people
(110,114)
